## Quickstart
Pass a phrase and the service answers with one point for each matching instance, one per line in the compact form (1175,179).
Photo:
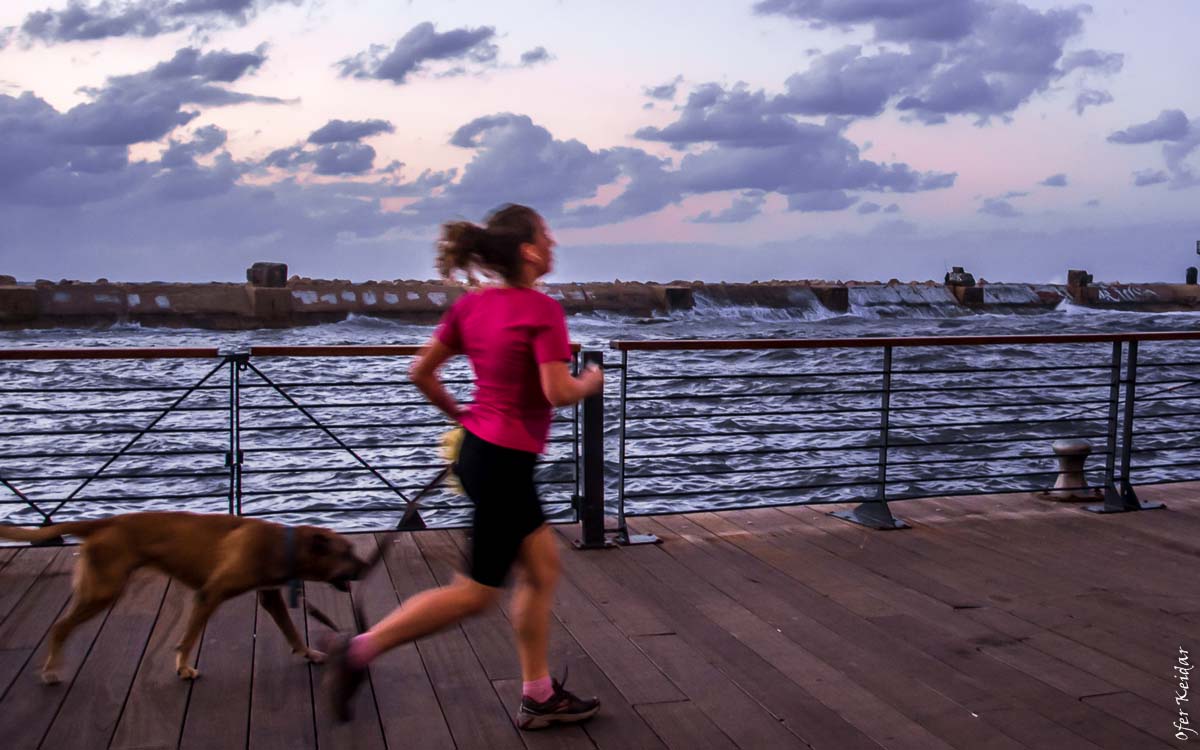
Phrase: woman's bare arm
(564,389)
(424,374)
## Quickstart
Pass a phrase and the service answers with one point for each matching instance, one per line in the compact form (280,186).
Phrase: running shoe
(341,679)
(562,707)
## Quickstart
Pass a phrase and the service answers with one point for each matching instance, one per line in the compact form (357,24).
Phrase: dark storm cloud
(81,21)
(344,158)
(983,58)
(339,131)
(744,207)
(1055,180)
(421,45)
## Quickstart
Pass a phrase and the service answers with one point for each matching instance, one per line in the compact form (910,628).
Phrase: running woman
(516,340)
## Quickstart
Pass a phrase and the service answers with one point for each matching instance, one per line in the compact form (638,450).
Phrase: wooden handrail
(111,353)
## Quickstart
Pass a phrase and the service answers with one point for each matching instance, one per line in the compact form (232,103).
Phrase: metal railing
(333,435)
(748,423)
(338,435)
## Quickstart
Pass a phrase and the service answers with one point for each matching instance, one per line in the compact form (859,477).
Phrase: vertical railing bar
(575,446)
(1114,400)
(231,455)
(1127,493)
(621,445)
(592,534)
(885,402)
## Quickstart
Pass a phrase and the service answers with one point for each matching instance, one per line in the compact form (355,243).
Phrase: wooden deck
(997,622)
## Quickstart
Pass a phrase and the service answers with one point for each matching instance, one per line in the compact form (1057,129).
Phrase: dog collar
(289,554)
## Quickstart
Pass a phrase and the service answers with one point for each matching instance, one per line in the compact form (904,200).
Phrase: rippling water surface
(702,429)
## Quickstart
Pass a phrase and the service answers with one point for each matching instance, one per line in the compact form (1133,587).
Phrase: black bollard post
(591,510)
(1191,276)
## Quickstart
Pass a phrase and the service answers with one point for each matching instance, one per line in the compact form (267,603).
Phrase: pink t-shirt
(507,333)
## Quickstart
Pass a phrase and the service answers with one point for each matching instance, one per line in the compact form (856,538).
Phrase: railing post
(233,459)
(1126,499)
(875,513)
(623,537)
(591,511)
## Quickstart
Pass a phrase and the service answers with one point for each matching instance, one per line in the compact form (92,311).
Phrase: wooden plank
(364,731)
(893,706)
(218,711)
(1151,717)
(19,575)
(473,712)
(684,725)
(158,699)
(1070,713)
(7,553)
(733,712)
(92,708)
(656,578)
(403,691)
(281,702)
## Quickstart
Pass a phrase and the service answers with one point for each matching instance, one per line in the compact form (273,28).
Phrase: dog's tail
(42,533)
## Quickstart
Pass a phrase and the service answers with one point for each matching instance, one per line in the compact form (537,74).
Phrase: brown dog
(217,555)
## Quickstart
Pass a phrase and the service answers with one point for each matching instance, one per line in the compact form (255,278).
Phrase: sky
(734,140)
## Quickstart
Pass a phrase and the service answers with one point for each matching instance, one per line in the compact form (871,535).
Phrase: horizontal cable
(743,490)
(939,425)
(758,375)
(106,476)
(377,509)
(738,433)
(373,488)
(977,441)
(1170,465)
(1172,415)
(756,451)
(1180,448)
(1143,433)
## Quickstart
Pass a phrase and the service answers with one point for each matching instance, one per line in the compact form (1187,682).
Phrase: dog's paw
(316,657)
(50,677)
(187,673)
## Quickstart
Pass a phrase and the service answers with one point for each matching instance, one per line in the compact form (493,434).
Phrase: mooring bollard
(1071,484)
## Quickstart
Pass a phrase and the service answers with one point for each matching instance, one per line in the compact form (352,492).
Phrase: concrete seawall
(302,301)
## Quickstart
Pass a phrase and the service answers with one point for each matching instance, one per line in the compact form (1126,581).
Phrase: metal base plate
(872,521)
(606,544)
(626,540)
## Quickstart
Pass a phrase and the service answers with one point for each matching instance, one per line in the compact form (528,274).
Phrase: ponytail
(494,249)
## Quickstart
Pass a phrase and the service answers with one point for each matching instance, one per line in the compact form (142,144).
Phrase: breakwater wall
(266,302)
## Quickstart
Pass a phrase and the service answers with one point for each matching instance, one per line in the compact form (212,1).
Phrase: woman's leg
(430,611)
(532,601)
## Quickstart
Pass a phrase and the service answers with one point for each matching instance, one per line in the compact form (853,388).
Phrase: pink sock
(362,650)
(538,690)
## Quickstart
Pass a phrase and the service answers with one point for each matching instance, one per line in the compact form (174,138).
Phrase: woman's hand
(563,389)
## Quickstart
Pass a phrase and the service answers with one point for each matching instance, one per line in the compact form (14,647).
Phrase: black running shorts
(499,482)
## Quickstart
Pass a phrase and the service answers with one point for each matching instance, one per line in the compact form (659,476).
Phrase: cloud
(144,107)
(204,141)
(422,45)
(664,91)
(339,131)
(983,58)
(535,56)
(82,21)
(744,207)
(1055,180)
(892,208)
(821,200)
(1091,98)
(998,207)
(1180,138)
(1145,177)
(867,207)
(1170,125)
(1093,203)
(932,20)
(751,146)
